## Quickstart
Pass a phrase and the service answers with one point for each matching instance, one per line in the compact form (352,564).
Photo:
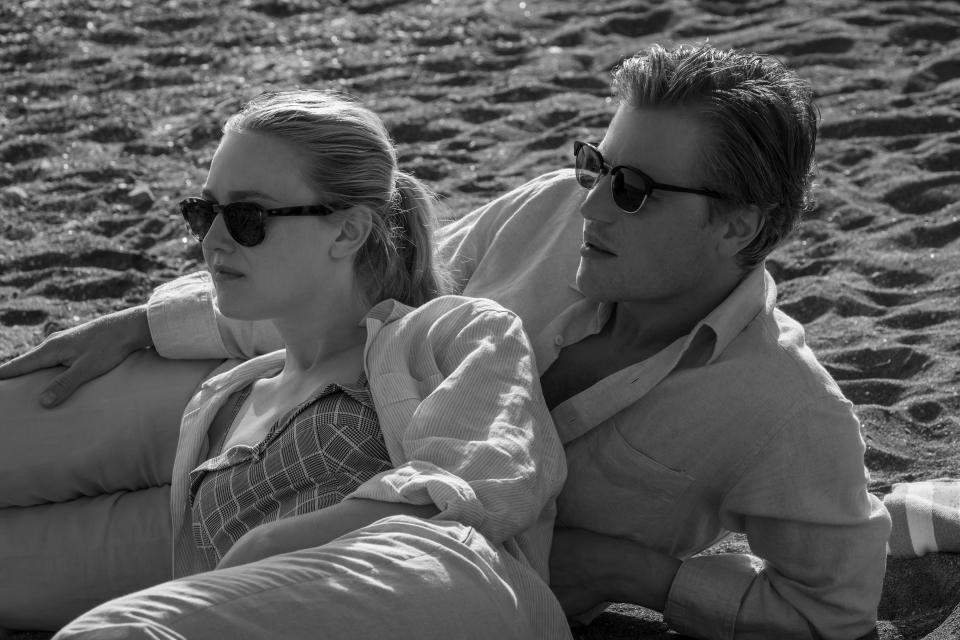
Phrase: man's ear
(355,225)
(742,226)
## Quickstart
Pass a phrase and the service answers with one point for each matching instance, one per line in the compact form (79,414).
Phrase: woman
(396,457)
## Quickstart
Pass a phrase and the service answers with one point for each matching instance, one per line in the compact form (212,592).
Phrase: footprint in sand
(898,363)
(26,316)
(925,196)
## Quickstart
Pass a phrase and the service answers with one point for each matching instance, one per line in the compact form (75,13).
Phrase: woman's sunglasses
(245,221)
(630,187)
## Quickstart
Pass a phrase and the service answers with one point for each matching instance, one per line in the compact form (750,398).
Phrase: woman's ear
(355,225)
(742,226)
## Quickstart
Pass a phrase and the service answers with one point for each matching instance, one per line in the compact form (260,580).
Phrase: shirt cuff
(419,482)
(704,599)
(182,321)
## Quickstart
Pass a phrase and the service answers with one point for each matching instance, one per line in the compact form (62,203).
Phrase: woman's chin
(236,311)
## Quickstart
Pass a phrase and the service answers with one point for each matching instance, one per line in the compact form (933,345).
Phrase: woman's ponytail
(399,260)
(352,162)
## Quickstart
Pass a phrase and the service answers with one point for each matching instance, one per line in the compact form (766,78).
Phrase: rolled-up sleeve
(805,510)
(473,435)
(185,323)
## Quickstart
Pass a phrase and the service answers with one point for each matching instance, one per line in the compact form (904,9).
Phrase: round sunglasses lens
(588,166)
(245,223)
(199,216)
(629,191)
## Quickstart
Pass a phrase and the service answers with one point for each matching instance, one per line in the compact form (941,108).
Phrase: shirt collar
(386,311)
(756,293)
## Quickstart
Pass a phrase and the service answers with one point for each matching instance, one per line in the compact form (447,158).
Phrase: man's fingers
(85,369)
(33,360)
(63,386)
(59,389)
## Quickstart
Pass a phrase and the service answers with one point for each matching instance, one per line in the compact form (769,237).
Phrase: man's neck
(633,333)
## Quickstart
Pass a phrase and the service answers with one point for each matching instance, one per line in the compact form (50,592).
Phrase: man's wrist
(136,327)
(641,575)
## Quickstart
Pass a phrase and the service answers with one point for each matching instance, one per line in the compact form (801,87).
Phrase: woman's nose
(218,237)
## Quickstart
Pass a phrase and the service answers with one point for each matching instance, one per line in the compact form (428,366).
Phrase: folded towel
(926,517)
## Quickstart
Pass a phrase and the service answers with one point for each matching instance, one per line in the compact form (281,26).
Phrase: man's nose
(598,205)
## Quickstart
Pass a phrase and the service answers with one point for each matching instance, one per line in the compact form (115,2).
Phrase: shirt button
(558,340)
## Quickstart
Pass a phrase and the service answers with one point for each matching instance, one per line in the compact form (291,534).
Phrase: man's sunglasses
(245,221)
(630,187)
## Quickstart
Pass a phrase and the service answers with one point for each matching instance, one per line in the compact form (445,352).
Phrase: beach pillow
(926,517)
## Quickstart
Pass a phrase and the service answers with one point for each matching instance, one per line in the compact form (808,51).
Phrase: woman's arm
(315,529)
(465,421)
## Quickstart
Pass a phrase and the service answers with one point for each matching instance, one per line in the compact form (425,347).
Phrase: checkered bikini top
(312,457)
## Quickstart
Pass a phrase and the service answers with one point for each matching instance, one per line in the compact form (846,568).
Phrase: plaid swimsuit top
(312,457)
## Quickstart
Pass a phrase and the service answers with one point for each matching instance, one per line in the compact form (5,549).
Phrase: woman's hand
(87,351)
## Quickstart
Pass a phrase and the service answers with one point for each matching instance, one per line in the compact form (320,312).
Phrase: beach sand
(111,110)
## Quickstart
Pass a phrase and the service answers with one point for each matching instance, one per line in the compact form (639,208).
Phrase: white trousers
(84,487)
(398,578)
(85,519)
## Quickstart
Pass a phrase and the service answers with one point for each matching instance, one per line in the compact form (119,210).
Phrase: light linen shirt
(734,427)
(462,416)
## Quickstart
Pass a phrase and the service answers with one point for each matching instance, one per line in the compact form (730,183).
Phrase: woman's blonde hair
(351,160)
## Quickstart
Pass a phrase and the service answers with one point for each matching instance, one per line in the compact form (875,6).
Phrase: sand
(111,110)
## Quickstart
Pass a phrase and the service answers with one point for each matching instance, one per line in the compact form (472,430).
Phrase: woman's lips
(225,273)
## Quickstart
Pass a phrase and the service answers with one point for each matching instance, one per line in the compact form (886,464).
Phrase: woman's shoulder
(441,315)
(454,306)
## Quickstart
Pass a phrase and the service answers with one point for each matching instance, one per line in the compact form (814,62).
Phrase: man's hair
(762,122)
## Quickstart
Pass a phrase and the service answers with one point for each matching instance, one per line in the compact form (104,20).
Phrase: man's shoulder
(773,362)
(558,183)
(545,194)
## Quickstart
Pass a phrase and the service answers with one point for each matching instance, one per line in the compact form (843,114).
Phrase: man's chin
(588,285)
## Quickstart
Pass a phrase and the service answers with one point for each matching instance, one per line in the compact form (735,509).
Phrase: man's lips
(592,245)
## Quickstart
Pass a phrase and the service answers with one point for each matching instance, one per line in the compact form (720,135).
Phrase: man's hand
(588,569)
(88,351)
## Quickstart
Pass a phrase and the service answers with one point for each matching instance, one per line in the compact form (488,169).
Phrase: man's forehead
(664,141)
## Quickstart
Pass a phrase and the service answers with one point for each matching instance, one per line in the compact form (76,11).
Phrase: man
(689,406)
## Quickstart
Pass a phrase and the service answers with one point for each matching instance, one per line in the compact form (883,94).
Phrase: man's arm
(818,543)
(587,569)
(185,323)
(180,320)
(87,351)
(463,243)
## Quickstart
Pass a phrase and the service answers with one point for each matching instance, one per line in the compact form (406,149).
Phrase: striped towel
(926,517)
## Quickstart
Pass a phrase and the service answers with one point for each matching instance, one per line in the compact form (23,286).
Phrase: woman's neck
(314,338)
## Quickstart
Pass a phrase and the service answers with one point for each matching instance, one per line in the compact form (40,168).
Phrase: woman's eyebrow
(237,196)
